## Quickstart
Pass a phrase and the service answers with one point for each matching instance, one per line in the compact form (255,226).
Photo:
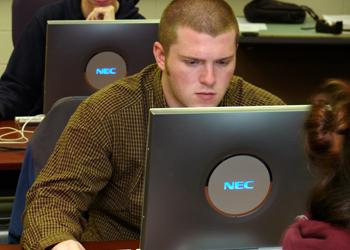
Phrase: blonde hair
(212,17)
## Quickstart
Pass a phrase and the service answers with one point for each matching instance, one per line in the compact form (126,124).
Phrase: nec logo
(239,185)
(106,71)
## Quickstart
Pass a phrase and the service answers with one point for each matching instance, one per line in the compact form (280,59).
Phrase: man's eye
(192,62)
(223,62)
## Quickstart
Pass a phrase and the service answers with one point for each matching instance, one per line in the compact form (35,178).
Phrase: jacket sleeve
(317,235)
(21,84)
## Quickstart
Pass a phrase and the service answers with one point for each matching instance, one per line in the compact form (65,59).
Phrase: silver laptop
(223,178)
(84,56)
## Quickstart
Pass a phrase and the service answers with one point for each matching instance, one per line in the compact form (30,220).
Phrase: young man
(98,164)
(21,85)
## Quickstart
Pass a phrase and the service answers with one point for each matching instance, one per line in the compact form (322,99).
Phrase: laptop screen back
(84,56)
(223,178)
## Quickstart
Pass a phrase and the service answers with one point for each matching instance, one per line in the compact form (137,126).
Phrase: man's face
(198,68)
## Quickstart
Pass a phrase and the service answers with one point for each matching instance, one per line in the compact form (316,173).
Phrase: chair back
(37,153)
(51,128)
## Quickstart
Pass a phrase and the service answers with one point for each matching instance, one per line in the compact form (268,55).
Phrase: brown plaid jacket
(98,163)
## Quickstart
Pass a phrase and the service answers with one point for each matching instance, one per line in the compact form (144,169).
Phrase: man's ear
(159,55)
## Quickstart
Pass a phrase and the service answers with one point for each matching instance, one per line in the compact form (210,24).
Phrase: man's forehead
(205,51)
(183,29)
(189,37)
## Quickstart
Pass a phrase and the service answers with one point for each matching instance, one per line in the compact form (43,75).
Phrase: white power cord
(21,138)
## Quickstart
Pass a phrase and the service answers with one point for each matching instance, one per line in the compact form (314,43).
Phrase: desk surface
(295,34)
(107,245)
(11,159)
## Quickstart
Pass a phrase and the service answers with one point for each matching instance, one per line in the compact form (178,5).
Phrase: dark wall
(292,72)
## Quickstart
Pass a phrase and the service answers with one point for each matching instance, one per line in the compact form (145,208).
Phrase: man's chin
(203,105)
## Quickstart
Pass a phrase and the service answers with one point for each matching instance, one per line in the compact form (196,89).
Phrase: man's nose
(207,76)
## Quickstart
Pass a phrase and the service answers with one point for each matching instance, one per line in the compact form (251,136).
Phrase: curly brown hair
(328,147)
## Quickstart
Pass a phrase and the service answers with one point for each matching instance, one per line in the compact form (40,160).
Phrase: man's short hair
(212,17)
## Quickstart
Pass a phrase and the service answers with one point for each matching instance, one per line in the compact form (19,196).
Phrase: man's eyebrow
(200,59)
(226,58)
(189,57)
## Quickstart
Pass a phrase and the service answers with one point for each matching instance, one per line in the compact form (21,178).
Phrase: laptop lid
(84,56)
(223,177)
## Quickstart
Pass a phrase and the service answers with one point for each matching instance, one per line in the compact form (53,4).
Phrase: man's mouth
(205,95)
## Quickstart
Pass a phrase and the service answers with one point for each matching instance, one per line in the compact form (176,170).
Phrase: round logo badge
(238,185)
(104,68)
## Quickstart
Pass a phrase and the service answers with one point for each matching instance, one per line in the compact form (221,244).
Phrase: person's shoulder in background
(128,10)
(71,10)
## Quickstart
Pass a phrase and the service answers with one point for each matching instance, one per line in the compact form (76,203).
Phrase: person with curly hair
(327,127)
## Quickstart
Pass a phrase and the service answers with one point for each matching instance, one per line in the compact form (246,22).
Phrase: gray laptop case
(186,147)
(82,57)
